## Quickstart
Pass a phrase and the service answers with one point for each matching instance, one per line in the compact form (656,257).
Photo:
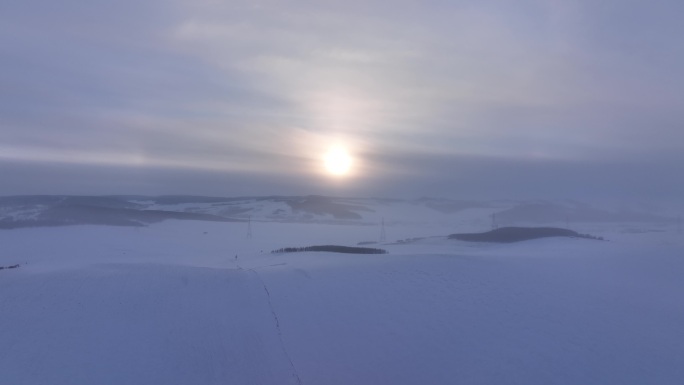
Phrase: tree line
(332,249)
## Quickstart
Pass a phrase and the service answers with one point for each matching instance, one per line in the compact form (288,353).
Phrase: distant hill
(327,206)
(139,210)
(547,212)
(449,206)
(42,211)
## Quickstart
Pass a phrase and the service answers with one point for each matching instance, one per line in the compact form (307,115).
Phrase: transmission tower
(249,227)
(494,224)
(383,236)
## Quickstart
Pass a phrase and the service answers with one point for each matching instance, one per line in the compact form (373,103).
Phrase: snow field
(169,304)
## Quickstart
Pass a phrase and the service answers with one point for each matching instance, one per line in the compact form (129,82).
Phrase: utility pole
(383,236)
(249,227)
(494,225)
(679,224)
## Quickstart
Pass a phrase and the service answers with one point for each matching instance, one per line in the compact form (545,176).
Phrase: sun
(338,161)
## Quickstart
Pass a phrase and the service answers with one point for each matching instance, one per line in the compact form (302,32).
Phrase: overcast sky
(489,98)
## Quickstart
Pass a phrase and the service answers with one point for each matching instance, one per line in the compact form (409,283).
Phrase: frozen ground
(171,304)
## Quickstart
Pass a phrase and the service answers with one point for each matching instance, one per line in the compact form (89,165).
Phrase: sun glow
(338,161)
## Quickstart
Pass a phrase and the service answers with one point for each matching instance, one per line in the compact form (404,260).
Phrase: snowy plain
(190,302)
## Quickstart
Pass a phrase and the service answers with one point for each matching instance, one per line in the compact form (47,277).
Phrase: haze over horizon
(487,99)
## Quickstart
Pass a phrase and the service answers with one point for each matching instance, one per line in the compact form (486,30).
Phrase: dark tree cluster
(332,249)
(517,234)
(588,236)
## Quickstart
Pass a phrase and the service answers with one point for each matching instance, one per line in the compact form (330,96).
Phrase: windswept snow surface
(172,304)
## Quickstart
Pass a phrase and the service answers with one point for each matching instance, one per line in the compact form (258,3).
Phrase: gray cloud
(256,91)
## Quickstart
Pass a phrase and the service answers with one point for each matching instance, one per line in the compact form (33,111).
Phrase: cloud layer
(418,91)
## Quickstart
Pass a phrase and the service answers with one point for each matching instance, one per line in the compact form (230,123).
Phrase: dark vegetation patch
(410,240)
(332,249)
(183,199)
(321,205)
(29,201)
(9,267)
(450,206)
(517,234)
(234,211)
(81,214)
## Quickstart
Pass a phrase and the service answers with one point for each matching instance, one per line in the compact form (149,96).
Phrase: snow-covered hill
(35,211)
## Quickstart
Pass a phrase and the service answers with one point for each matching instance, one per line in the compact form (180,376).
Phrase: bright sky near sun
(457,97)
(338,162)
